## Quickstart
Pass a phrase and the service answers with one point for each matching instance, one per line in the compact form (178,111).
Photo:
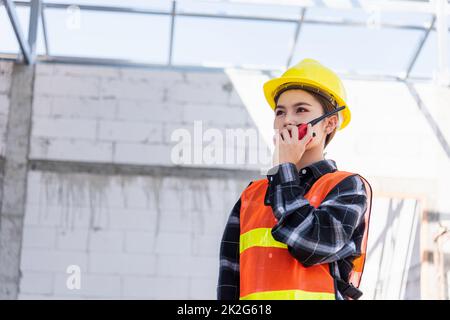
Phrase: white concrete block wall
(127,116)
(162,244)
(5,83)
(132,236)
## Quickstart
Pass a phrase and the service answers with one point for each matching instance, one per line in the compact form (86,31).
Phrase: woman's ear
(331,124)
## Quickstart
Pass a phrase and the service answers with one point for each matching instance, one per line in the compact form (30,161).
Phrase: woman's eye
(301,109)
(279,112)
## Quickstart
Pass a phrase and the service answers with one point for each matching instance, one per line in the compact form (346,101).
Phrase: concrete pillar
(15,179)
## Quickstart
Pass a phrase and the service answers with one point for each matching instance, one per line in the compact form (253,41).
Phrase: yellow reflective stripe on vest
(260,237)
(289,295)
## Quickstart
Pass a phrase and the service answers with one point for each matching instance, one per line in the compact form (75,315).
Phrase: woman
(301,233)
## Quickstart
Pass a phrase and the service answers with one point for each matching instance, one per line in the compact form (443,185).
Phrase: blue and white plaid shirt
(332,232)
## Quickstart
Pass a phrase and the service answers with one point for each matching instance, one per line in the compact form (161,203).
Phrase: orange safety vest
(267,269)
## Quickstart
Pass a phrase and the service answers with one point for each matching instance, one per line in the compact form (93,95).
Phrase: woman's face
(298,106)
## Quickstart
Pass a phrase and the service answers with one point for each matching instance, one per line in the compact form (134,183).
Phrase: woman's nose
(289,120)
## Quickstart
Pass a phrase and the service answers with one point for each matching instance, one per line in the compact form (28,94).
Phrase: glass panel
(337,15)
(427,62)
(358,49)
(369,17)
(159,5)
(8,40)
(407,18)
(40,43)
(240,9)
(84,33)
(232,42)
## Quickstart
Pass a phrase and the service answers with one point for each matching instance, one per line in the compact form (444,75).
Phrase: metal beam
(382,5)
(144,65)
(44,30)
(426,113)
(23,44)
(35,12)
(297,32)
(419,48)
(172,31)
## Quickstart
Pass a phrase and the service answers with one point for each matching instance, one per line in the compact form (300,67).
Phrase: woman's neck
(309,157)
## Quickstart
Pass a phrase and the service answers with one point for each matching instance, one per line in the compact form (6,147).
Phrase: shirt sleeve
(228,284)
(316,235)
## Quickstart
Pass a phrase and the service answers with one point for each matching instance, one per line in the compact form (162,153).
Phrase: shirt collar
(319,168)
(309,174)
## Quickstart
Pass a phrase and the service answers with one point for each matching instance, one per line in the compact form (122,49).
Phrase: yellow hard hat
(311,74)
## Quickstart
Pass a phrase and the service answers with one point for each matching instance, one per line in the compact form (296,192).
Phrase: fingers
(294,132)
(309,134)
(276,137)
(285,135)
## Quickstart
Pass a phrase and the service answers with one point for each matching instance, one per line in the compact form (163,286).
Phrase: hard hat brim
(271,89)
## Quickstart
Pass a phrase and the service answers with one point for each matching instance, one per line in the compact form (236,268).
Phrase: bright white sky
(222,42)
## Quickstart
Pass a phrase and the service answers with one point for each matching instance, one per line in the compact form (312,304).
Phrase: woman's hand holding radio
(288,146)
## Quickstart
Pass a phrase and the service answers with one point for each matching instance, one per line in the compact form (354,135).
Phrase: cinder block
(42,106)
(190,266)
(202,78)
(173,266)
(203,288)
(67,86)
(44,69)
(206,93)
(213,224)
(91,285)
(132,89)
(132,220)
(56,261)
(72,239)
(84,107)
(112,195)
(61,216)
(70,149)
(164,76)
(174,130)
(130,109)
(85,71)
(64,128)
(167,203)
(134,153)
(39,237)
(206,245)
(204,267)
(175,221)
(135,196)
(122,264)
(106,241)
(36,283)
(173,243)
(130,131)
(140,242)
(156,288)
(214,115)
